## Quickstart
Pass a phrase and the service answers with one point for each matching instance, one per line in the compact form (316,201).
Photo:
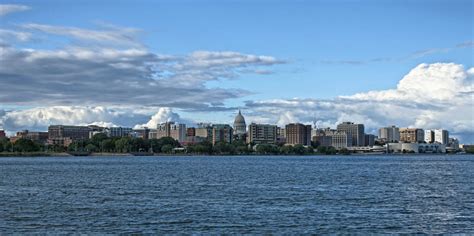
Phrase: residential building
(281,135)
(441,136)
(429,136)
(191,132)
(222,133)
(412,135)
(173,130)
(204,130)
(389,134)
(262,133)
(297,133)
(355,130)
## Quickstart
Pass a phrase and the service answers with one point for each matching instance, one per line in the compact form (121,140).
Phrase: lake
(250,195)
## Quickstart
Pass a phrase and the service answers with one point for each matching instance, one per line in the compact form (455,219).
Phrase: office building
(341,139)
(118,131)
(297,133)
(369,140)
(389,134)
(68,131)
(412,135)
(354,130)
(262,133)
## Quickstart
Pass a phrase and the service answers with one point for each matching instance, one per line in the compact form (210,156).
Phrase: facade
(39,137)
(341,140)
(355,130)
(412,135)
(429,136)
(441,136)
(369,140)
(389,134)
(204,130)
(173,130)
(143,133)
(222,133)
(68,131)
(297,133)
(118,131)
(64,141)
(416,147)
(2,134)
(191,132)
(324,141)
(240,128)
(262,133)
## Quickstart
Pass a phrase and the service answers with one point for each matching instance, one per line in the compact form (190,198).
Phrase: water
(363,194)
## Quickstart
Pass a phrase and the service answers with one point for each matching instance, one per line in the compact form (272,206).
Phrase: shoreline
(103,154)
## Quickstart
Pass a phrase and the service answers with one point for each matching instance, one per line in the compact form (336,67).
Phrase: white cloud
(438,95)
(6,9)
(164,114)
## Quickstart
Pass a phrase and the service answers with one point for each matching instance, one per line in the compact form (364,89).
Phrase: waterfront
(251,194)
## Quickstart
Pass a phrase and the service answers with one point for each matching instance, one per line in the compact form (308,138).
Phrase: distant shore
(107,154)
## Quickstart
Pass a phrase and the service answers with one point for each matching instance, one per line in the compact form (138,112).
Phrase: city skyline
(201,61)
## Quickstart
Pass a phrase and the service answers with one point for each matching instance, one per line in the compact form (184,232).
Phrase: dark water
(410,194)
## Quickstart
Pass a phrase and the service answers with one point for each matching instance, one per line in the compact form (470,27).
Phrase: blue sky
(330,48)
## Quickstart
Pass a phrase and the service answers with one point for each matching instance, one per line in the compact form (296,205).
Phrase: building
(118,131)
(389,134)
(204,131)
(369,140)
(262,133)
(2,134)
(441,136)
(412,135)
(429,136)
(143,133)
(173,130)
(416,148)
(341,140)
(39,137)
(191,132)
(240,127)
(355,130)
(68,131)
(281,135)
(297,133)
(322,140)
(222,133)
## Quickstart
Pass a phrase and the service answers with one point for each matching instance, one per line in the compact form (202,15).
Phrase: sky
(139,63)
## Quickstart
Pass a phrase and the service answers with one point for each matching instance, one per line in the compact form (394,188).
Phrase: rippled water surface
(364,194)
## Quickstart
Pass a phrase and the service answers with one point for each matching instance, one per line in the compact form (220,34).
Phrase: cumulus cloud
(6,9)
(164,114)
(438,95)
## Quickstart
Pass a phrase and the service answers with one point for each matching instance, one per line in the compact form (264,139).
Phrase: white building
(429,136)
(389,134)
(441,136)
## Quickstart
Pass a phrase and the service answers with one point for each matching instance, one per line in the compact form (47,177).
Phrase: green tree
(299,149)
(167,148)
(344,151)
(25,145)
(470,150)
(98,138)
(108,145)
(123,144)
(90,147)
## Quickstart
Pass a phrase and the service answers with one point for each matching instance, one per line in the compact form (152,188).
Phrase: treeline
(166,145)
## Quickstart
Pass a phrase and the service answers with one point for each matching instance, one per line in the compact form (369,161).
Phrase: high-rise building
(412,135)
(441,136)
(389,134)
(429,136)
(341,139)
(204,131)
(191,132)
(297,133)
(240,127)
(369,140)
(221,133)
(171,129)
(144,133)
(355,130)
(262,133)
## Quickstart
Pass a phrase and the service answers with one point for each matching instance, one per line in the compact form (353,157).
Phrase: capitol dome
(239,124)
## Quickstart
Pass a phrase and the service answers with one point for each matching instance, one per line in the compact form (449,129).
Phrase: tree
(344,151)
(123,144)
(167,148)
(25,145)
(98,138)
(108,145)
(470,150)
(91,147)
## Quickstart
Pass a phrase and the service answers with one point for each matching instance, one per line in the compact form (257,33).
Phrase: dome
(239,119)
